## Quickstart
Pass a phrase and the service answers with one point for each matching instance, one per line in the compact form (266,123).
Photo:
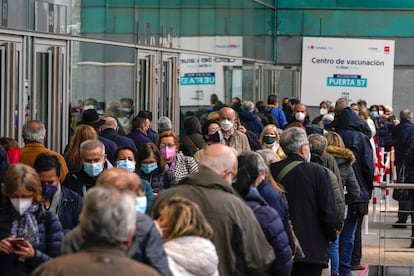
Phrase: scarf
(25,226)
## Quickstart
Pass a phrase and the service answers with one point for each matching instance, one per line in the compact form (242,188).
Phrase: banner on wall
(351,68)
(200,75)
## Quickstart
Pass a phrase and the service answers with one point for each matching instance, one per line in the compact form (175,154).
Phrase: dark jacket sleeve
(274,231)
(53,239)
(328,210)
(351,184)
(154,254)
(4,163)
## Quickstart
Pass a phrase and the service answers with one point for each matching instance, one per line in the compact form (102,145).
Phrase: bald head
(121,179)
(221,159)
(227,113)
(110,122)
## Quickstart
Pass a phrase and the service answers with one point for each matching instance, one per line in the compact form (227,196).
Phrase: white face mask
(300,116)
(226,125)
(21,204)
(323,111)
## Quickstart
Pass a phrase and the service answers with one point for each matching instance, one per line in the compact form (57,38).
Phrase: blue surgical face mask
(48,190)
(149,168)
(126,164)
(93,169)
(141,204)
(374,114)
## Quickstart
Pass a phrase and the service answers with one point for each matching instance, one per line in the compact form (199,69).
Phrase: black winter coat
(312,207)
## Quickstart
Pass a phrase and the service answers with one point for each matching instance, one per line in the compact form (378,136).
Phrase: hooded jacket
(349,126)
(251,122)
(345,158)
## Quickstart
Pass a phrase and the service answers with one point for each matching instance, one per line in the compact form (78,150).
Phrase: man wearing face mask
(311,200)
(232,136)
(146,244)
(59,200)
(92,153)
(301,115)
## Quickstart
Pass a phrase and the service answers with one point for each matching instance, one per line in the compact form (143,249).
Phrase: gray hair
(164,124)
(261,164)
(34,134)
(107,216)
(247,106)
(90,145)
(406,114)
(341,104)
(317,143)
(268,156)
(292,139)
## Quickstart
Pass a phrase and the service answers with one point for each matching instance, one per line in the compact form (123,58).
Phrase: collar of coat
(341,153)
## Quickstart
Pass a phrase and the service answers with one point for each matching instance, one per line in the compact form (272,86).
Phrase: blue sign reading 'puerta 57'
(346,81)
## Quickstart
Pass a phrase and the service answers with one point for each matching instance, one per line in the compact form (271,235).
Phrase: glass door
(48,100)
(169,100)
(147,82)
(11,85)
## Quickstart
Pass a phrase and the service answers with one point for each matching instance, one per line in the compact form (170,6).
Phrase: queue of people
(147,203)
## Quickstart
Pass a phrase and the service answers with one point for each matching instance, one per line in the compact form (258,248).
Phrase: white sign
(351,68)
(200,75)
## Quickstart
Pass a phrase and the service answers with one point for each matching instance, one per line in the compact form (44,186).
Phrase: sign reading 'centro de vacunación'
(351,68)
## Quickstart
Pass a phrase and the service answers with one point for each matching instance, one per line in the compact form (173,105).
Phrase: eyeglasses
(162,145)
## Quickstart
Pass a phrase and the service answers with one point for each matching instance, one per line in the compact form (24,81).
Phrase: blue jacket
(251,122)
(274,231)
(276,201)
(349,126)
(138,137)
(69,209)
(278,115)
(119,140)
(50,237)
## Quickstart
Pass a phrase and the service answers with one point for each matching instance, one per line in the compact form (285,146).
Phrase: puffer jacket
(70,207)
(345,158)
(159,180)
(50,238)
(273,228)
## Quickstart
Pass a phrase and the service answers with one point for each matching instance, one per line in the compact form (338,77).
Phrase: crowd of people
(246,189)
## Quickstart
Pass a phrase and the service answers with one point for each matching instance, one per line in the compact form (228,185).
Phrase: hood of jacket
(191,255)
(343,153)
(348,120)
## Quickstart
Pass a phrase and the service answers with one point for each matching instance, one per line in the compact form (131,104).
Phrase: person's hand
(5,245)
(242,129)
(24,250)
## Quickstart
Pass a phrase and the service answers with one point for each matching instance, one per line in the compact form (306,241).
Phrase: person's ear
(131,233)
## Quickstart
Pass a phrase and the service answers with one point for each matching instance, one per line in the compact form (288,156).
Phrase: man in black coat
(312,204)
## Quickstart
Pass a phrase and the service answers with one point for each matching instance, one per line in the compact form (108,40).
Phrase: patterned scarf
(25,226)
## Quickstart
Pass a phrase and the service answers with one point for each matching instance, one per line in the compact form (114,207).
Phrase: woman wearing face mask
(29,234)
(269,139)
(125,157)
(211,132)
(152,168)
(59,200)
(176,162)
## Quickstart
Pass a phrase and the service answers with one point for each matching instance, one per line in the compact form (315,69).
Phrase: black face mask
(215,137)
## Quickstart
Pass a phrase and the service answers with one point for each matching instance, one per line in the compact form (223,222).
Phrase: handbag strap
(287,169)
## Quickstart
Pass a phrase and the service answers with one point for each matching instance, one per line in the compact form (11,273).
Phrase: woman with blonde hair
(72,152)
(269,139)
(186,235)
(29,234)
